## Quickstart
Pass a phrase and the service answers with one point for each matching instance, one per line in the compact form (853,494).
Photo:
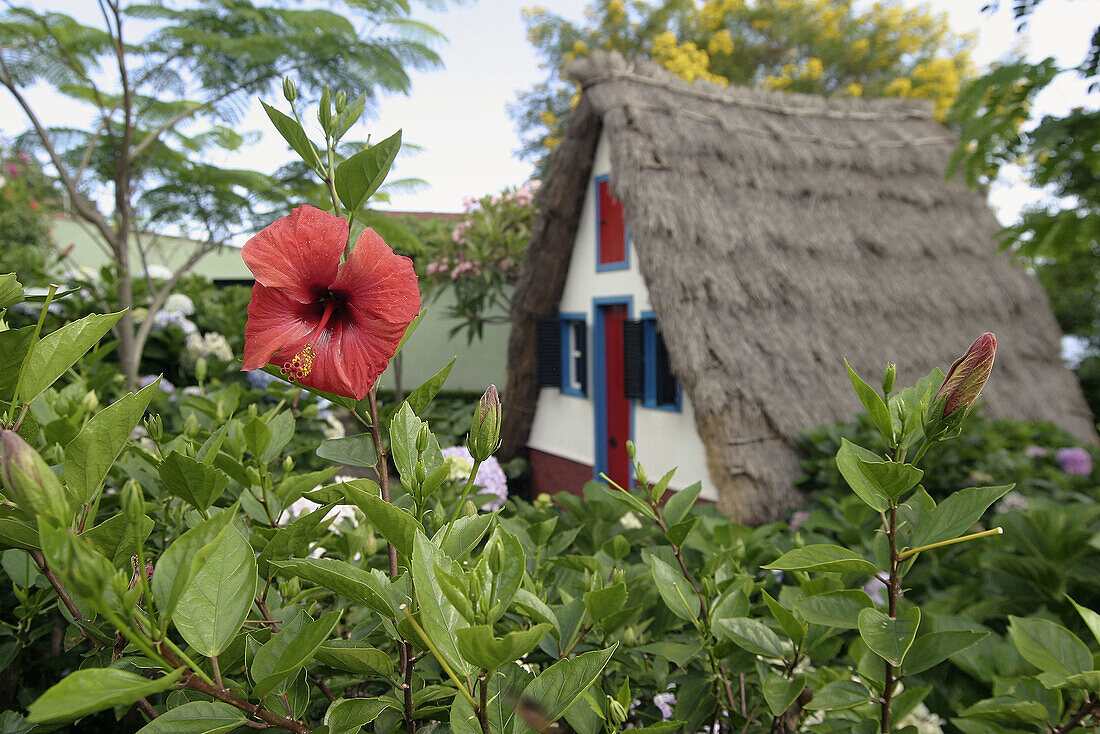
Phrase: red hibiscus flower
(329,325)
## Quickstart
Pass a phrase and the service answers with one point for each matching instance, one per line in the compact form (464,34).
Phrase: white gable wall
(564,425)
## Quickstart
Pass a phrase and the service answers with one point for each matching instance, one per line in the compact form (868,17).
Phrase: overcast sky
(458,116)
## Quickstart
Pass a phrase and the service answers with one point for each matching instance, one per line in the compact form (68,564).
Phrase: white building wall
(564,425)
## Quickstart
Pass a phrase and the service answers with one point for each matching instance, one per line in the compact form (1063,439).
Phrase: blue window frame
(574,354)
(662,390)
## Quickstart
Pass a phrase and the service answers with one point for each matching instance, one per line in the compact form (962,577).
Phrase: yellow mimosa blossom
(687,61)
(813,69)
(580,48)
(551,142)
(721,43)
(761,23)
(855,89)
(860,47)
(615,11)
(548,118)
(898,88)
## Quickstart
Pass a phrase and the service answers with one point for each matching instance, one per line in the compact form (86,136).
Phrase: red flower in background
(329,325)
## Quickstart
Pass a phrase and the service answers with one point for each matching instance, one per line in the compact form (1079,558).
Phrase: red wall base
(551,474)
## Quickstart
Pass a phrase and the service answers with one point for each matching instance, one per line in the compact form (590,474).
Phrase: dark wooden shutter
(580,343)
(666,381)
(633,360)
(548,353)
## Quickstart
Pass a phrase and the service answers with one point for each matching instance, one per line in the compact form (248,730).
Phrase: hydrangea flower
(165,385)
(158,272)
(664,703)
(490,477)
(210,345)
(1076,461)
(164,319)
(328,324)
(179,303)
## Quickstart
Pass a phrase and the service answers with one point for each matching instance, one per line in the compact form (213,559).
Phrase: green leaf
(750,635)
(889,638)
(94,689)
(831,558)
(17,533)
(848,462)
(354,656)
(957,514)
(479,647)
(466,533)
(213,607)
(289,650)
(1008,708)
(396,525)
(674,590)
(358,177)
(90,455)
(420,397)
(873,403)
(256,435)
(59,350)
(291,539)
(1092,619)
(835,609)
(340,577)
(839,695)
(780,693)
(14,346)
(11,290)
(626,498)
(932,649)
(602,603)
(795,629)
(558,687)
(351,450)
(534,608)
(182,560)
(679,504)
(1049,646)
(197,717)
(197,484)
(281,427)
(352,112)
(438,616)
(350,715)
(114,538)
(295,136)
(891,479)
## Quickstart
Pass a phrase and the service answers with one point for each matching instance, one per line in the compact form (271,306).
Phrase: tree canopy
(817,46)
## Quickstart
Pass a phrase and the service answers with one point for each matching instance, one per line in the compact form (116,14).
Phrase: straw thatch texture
(779,234)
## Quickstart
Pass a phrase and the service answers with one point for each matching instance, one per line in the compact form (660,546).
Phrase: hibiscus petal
(377,283)
(299,253)
(275,324)
(351,355)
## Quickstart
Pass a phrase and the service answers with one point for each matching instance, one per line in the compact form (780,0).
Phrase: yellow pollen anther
(301,365)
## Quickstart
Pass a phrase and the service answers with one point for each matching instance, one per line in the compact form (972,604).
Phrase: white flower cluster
(179,303)
(164,319)
(158,272)
(924,720)
(209,346)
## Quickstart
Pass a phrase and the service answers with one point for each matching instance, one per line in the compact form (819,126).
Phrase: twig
(67,600)
(1088,707)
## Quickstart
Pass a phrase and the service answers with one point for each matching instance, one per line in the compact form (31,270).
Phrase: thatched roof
(778,234)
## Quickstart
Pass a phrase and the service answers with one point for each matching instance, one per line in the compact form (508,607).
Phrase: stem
(973,536)
(435,651)
(483,709)
(217,672)
(1088,707)
(462,501)
(383,465)
(893,589)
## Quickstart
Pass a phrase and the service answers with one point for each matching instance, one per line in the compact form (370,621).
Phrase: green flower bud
(89,402)
(341,101)
(154,427)
(889,378)
(421,473)
(423,438)
(29,481)
(631,450)
(290,92)
(200,369)
(484,438)
(616,712)
(288,464)
(132,499)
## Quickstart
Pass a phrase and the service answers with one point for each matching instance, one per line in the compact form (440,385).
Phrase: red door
(616,408)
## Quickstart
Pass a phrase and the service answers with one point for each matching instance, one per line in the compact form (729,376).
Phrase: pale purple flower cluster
(1076,461)
(1035,452)
(490,477)
(165,385)
(664,703)
(164,319)
(456,267)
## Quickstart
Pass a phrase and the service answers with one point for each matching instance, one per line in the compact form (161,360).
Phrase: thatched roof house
(776,234)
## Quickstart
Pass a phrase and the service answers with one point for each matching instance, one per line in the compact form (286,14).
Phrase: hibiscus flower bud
(889,378)
(132,500)
(423,438)
(289,90)
(962,386)
(484,437)
(29,481)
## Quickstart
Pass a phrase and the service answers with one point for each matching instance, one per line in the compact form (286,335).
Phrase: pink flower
(1075,461)
(13,170)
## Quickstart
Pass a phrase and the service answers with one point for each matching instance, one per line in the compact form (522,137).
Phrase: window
(612,242)
(649,376)
(574,355)
(562,354)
